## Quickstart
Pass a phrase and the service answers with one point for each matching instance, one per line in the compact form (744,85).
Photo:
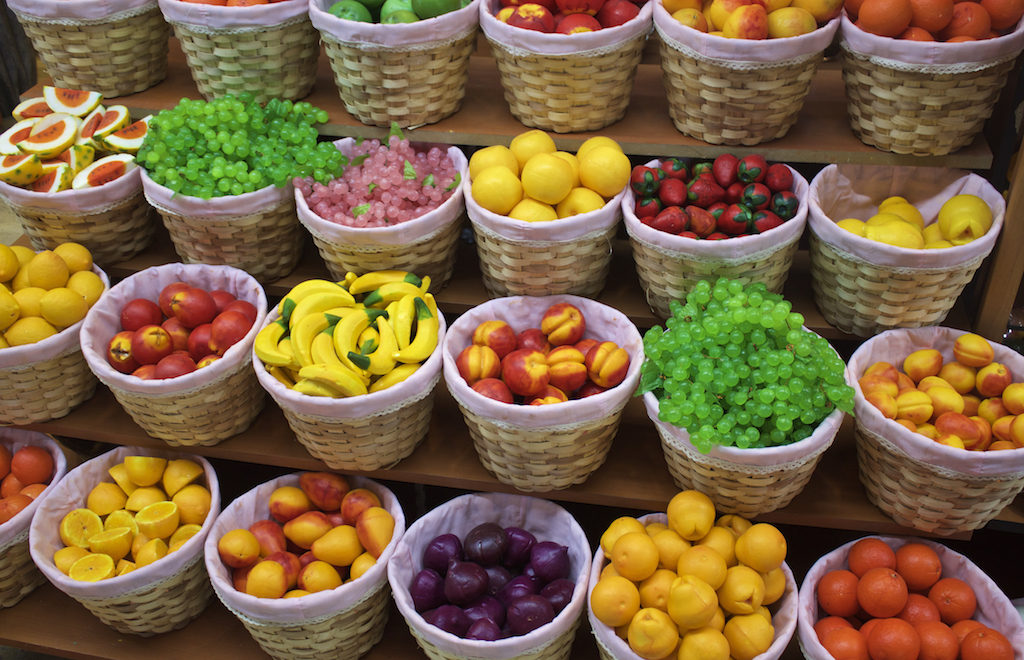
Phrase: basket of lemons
(123,535)
(894,247)
(544,219)
(44,298)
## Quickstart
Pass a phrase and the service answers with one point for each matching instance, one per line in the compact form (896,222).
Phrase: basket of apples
(173,343)
(567,65)
(731,217)
(302,561)
(541,383)
(940,437)
(30,463)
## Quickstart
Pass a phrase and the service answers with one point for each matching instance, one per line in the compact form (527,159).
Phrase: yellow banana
(425,340)
(374,280)
(431,303)
(311,387)
(347,331)
(391,291)
(368,341)
(381,360)
(303,332)
(282,374)
(266,344)
(403,320)
(349,278)
(340,378)
(321,349)
(301,291)
(318,302)
(395,376)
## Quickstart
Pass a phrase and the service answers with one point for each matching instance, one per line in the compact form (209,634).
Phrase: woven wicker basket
(265,241)
(917,482)
(45,380)
(269,51)
(543,448)
(343,623)
(410,74)
(18,575)
(669,266)
(864,287)
(747,482)
(200,408)
(566,83)
(116,54)
(364,433)
(736,91)
(918,107)
(114,229)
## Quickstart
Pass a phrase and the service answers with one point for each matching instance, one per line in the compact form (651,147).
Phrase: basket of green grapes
(745,399)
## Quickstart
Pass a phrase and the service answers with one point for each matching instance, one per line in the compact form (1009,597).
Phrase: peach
(375,528)
(607,364)
(904,382)
(971,403)
(476,362)
(267,579)
(1013,398)
(950,441)
(884,369)
(985,435)
(355,502)
(563,323)
(290,562)
(584,345)
(496,335)
(878,383)
(885,403)
(747,22)
(1001,428)
(960,425)
(525,371)
(551,394)
(324,489)
(959,376)
(922,363)
(1000,445)
(494,388)
(193,306)
(928,431)
(306,528)
(992,379)
(915,406)
(532,16)
(287,502)
(1017,431)
(319,576)
(339,546)
(973,350)
(269,535)
(945,399)
(119,352)
(590,388)
(566,368)
(533,338)
(238,548)
(151,343)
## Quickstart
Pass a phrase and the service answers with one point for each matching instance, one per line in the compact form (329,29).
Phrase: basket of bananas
(353,365)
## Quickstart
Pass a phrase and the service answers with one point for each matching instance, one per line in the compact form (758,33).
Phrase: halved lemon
(105,498)
(159,520)
(121,518)
(116,543)
(153,550)
(182,535)
(92,568)
(179,473)
(145,470)
(119,473)
(124,566)
(66,556)
(143,497)
(78,526)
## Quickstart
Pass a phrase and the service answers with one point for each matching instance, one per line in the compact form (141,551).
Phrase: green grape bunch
(735,367)
(232,145)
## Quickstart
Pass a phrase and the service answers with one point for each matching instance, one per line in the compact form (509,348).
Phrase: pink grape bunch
(383,185)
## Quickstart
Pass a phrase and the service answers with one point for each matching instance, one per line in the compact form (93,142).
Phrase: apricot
(914,406)
(288,502)
(973,350)
(885,403)
(1017,431)
(960,425)
(375,528)
(929,382)
(928,431)
(922,363)
(355,502)
(971,403)
(886,370)
(878,383)
(1001,428)
(1013,398)
(959,376)
(950,441)
(324,489)
(992,379)
(992,409)
(945,399)
(984,435)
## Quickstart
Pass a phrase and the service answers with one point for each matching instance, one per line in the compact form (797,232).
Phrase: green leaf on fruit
(408,171)
(395,130)
(359,210)
(455,182)
(358,160)
(369,188)
(428,180)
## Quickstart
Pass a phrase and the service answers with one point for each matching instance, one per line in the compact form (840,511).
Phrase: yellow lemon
(78,525)
(530,210)
(938,245)
(158,520)
(530,143)
(652,529)
(145,470)
(87,284)
(635,556)
(743,590)
(579,200)
(143,496)
(29,330)
(62,307)
(652,634)
(595,142)
(932,233)
(9,263)
(116,543)
(654,590)
(670,547)
(119,473)
(193,502)
(692,603)
(734,523)
(964,218)
(105,498)
(774,586)
(296,593)
(68,555)
(605,170)
(181,535)
(704,644)
(121,518)
(123,567)
(28,299)
(496,154)
(607,571)
(153,550)
(762,547)
(179,473)
(24,253)
(75,255)
(722,541)
(547,178)
(92,568)
(749,635)
(704,562)
(614,600)
(497,189)
(882,218)
(908,212)
(822,10)
(898,233)
(10,309)
(20,280)
(617,528)
(891,200)
(47,270)
(574,163)
(691,514)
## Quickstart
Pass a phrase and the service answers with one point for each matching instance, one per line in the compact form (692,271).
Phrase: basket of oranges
(29,464)
(123,535)
(894,246)
(923,81)
(266,49)
(893,596)
(942,455)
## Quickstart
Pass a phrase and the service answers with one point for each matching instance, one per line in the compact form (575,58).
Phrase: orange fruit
(931,15)
(846,644)
(868,626)
(827,624)
(837,593)
(1004,14)
(886,18)
(881,592)
(961,38)
(964,626)
(894,639)
(986,644)
(954,598)
(870,552)
(5,461)
(852,8)
(938,641)
(919,609)
(916,34)
(919,565)
(969,20)
(32,465)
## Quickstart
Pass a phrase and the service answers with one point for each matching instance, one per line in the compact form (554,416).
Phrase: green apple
(351,10)
(401,16)
(391,6)
(431,8)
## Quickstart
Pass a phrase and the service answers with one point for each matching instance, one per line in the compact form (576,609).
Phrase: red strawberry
(752,168)
(672,192)
(779,177)
(735,220)
(725,169)
(647,207)
(704,191)
(757,196)
(765,220)
(676,168)
(672,220)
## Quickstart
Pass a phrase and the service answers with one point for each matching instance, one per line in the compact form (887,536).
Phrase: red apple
(563,323)
(525,371)
(577,22)
(164,298)
(616,12)
(222,298)
(228,328)
(199,341)
(150,344)
(176,364)
(497,335)
(119,352)
(243,306)
(139,312)
(145,372)
(193,307)
(494,388)
(531,16)
(533,339)
(590,388)
(579,6)
(179,333)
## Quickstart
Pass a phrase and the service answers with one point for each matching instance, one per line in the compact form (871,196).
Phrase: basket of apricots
(123,535)
(939,427)
(542,383)
(302,560)
(922,76)
(737,73)
(902,597)
(710,586)
(30,463)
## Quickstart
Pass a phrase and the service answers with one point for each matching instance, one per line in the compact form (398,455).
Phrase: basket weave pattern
(347,634)
(583,91)
(112,234)
(432,255)
(724,102)
(864,299)
(119,55)
(269,61)
(512,268)
(158,608)
(266,244)
(558,648)
(667,275)
(18,574)
(45,390)
(415,85)
(202,416)
(923,113)
(926,497)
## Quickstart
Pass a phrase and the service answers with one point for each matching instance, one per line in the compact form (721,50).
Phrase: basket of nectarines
(173,343)
(29,463)
(302,561)
(542,383)
(939,427)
